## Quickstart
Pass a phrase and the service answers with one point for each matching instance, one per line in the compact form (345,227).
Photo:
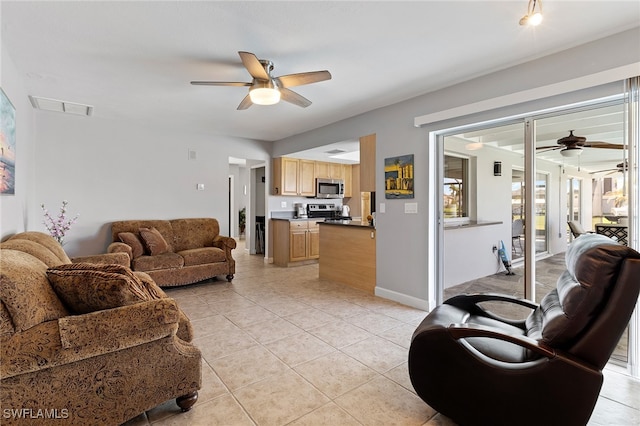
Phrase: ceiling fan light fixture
(534,14)
(264,95)
(571,152)
(473,146)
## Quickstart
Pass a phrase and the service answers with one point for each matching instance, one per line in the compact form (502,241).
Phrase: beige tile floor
(282,347)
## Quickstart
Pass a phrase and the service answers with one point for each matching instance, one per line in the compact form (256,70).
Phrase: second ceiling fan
(266,89)
(572,145)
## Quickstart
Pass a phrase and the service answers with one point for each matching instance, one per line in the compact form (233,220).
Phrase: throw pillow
(132,240)
(89,287)
(154,241)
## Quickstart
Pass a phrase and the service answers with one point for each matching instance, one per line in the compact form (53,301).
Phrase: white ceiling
(134,60)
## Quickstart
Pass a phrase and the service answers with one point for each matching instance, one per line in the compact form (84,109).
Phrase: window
(456,182)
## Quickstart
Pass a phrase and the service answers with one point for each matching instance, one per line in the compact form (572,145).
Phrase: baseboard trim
(404,299)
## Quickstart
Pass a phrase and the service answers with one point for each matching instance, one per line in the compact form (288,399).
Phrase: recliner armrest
(470,303)
(461,331)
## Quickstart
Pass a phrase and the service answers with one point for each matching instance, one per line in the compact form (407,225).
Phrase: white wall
(402,239)
(112,170)
(15,209)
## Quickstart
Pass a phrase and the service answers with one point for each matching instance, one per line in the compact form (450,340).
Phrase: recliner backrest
(583,296)
(576,228)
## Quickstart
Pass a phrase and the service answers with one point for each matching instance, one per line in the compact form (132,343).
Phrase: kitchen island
(348,253)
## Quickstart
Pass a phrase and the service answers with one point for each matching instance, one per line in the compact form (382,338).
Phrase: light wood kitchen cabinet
(348,180)
(322,170)
(368,163)
(336,171)
(295,242)
(314,239)
(326,170)
(292,176)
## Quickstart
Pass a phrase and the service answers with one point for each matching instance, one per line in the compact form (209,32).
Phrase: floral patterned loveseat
(89,342)
(175,252)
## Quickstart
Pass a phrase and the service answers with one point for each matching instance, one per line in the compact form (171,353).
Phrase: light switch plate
(200,187)
(411,208)
(383,207)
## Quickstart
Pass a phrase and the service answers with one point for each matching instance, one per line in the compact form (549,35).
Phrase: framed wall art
(398,177)
(7,146)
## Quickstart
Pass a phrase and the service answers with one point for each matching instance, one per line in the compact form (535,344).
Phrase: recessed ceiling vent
(60,106)
(336,151)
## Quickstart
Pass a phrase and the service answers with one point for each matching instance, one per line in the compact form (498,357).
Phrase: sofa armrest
(74,338)
(119,328)
(224,242)
(120,258)
(118,247)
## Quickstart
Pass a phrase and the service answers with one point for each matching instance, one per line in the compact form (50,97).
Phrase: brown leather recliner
(478,368)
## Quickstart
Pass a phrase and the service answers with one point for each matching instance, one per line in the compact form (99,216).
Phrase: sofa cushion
(200,256)
(89,287)
(133,241)
(161,261)
(26,291)
(194,233)
(153,241)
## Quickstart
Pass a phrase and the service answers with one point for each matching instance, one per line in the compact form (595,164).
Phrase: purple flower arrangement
(59,225)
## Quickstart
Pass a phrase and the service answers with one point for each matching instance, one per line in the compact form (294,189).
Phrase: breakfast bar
(348,253)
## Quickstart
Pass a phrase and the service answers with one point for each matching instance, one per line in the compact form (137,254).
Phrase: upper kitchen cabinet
(292,176)
(368,163)
(327,170)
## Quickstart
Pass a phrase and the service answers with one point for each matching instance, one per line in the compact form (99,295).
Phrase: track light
(534,13)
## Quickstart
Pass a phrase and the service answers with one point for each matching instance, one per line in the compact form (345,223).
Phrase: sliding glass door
(509,189)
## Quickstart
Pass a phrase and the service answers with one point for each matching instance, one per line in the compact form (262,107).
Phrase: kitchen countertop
(340,222)
(295,219)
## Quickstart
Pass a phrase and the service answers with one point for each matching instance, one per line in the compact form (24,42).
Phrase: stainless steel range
(322,211)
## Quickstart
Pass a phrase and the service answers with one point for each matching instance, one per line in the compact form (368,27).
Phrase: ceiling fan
(266,89)
(571,146)
(620,167)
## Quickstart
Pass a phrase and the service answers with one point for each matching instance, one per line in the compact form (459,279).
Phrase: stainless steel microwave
(329,188)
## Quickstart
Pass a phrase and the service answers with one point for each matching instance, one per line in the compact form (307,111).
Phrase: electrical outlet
(283,204)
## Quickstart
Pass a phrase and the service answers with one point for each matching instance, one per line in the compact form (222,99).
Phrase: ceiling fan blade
(549,148)
(246,103)
(291,80)
(294,98)
(220,83)
(603,145)
(602,171)
(253,65)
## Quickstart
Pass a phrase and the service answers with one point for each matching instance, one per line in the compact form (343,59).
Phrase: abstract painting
(398,177)
(7,146)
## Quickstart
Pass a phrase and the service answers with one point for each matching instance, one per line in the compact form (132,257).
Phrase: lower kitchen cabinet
(295,242)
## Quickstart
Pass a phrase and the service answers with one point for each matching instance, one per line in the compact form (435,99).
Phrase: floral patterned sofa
(175,252)
(89,341)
